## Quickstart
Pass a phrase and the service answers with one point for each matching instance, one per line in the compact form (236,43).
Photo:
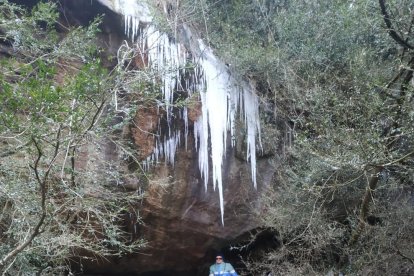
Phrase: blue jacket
(223,269)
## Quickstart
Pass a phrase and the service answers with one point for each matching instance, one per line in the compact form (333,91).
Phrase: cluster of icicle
(221,97)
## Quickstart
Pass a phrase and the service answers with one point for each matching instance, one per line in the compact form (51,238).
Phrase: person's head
(219,258)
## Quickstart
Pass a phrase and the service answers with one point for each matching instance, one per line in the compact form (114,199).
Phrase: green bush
(342,81)
(53,91)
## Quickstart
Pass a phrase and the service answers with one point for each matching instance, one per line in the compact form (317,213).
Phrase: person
(222,268)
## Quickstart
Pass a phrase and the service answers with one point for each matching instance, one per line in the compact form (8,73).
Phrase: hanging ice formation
(219,94)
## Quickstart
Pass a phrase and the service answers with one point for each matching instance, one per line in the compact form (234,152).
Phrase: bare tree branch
(372,184)
(36,230)
(390,27)
(42,181)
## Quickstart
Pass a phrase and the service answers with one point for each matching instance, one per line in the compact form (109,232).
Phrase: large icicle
(201,134)
(252,122)
(164,57)
(215,114)
(221,97)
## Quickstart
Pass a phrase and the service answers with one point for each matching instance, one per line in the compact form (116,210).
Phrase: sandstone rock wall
(180,219)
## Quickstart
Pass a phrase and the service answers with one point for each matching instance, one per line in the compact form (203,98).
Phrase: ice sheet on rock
(221,96)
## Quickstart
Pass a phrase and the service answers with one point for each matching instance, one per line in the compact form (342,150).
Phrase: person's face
(219,259)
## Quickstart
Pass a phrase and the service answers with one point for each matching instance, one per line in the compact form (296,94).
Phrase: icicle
(185,118)
(214,120)
(231,116)
(220,97)
(201,130)
(135,27)
(126,30)
(252,123)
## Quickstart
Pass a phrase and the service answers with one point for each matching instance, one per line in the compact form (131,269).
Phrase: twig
(404,256)
(43,189)
(391,29)
(368,197)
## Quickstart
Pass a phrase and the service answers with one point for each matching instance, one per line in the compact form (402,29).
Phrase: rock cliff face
(181,221)
(180,218)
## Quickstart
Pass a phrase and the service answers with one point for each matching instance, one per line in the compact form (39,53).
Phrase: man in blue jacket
(222,268)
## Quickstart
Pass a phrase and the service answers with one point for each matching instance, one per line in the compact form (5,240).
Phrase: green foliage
(29,32)
(343,84)
(53,91)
